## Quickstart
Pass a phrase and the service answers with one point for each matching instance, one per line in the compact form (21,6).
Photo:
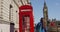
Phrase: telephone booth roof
(25,7)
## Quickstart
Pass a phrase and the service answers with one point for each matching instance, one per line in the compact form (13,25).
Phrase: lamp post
(57,26)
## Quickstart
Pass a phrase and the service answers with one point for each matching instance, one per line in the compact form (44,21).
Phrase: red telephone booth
(26,21)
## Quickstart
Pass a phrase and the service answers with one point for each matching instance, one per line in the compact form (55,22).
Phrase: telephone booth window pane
(26,24)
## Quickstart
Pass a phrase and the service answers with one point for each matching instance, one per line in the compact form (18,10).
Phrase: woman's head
(41,19)
(43,22)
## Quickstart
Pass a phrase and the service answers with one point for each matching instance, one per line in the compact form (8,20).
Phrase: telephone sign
(26,10)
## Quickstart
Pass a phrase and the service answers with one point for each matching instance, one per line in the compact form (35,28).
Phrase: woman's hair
(41,19)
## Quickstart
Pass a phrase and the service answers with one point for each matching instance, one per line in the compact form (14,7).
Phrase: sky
(53,9)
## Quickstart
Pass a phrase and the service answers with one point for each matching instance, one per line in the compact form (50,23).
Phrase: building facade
(8,14)
(54,25)
(4,16)
(9,10)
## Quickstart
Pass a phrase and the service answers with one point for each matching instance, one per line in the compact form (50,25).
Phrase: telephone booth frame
(26,10)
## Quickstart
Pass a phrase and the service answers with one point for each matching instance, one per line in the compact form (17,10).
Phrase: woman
(39,27)
(42,27)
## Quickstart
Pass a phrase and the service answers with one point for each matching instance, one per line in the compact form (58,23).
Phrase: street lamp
(57,26)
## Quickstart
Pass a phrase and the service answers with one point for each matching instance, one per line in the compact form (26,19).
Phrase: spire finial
(44,2)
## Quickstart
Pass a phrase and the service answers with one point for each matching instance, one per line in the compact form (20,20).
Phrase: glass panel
(26,24)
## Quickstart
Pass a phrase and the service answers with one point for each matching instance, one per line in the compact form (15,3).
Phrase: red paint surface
(52,24)
(26,13)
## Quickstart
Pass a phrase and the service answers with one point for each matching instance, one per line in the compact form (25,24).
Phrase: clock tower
(45,11)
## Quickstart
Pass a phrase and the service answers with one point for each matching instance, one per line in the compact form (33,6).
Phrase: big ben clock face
(45,9)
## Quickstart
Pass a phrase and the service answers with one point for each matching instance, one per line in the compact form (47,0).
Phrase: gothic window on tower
(26,24)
